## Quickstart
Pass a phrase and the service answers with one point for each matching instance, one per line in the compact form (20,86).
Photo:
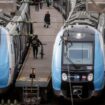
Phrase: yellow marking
(28,79)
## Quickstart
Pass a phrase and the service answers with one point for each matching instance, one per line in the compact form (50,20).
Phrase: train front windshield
(78,53)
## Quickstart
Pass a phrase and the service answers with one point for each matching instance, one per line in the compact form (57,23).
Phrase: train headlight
(79,36)
(90,77)
(64,76)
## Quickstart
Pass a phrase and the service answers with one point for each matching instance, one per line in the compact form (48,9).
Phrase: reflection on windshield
(78,53)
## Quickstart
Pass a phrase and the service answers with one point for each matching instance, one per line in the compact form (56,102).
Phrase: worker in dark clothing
(35,44)
(41,4)
(47,19)
(48,3)
(37,2)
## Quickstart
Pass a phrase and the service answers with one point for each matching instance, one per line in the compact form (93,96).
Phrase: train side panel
(4,58)
(99,63)
(56,63)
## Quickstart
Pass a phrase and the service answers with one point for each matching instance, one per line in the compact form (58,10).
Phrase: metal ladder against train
(31,93)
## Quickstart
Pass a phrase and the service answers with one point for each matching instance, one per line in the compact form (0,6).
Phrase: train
(64,6)
(14,44)
(78,70)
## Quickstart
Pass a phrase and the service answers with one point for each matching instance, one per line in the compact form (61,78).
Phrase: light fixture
(90,77)
(64,76)
(78,35)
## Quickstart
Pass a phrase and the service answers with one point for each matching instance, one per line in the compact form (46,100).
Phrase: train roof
(6,18)
(21,14)
(86,32)
(81,15)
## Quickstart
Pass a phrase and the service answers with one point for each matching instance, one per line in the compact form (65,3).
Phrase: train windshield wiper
(72,62)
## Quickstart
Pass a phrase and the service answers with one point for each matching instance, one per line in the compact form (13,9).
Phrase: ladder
(31,93)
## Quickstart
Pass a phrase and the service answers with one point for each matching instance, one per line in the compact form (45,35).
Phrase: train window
(78,53)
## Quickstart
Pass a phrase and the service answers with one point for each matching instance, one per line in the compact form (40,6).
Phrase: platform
(8,6)
(47,36)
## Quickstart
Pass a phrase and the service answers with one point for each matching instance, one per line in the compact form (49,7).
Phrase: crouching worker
(35,44)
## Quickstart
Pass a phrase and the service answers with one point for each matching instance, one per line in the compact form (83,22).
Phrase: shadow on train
(15,93)
(100,100)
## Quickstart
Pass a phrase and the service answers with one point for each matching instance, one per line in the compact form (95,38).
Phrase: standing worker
(37,4)
(41,4)
(35,44)
(47,19)
(48,3)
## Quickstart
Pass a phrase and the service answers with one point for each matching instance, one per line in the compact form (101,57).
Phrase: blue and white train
(78,55)
(14,42)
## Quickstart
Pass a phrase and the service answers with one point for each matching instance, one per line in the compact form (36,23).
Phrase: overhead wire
(30,21)
(32,35)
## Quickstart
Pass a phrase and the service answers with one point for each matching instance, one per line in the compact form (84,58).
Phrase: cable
(71,94)
(51,35)
(29,21)
(79,96)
